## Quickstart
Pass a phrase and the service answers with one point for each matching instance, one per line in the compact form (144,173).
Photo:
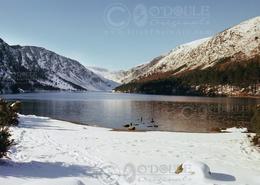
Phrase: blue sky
(117,34)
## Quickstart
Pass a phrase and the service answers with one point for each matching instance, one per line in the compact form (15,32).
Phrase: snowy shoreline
(57,152)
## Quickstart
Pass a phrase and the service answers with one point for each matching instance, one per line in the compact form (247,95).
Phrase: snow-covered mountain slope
(115,76)
(34,68)
(240,42)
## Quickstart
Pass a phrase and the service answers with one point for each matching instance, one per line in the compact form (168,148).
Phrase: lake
(113,110)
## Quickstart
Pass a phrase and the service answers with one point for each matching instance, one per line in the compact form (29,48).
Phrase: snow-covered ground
(52,152)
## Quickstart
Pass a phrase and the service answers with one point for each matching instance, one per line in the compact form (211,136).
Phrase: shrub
(255,121)
(8,113)
(8,117)
(5,141)
(256,139)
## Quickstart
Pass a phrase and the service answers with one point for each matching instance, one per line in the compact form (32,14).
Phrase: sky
(117,34)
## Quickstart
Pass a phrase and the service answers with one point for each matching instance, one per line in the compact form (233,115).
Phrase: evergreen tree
(8,117)
(5,141)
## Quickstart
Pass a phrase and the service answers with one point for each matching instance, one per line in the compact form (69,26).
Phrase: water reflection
(190,114)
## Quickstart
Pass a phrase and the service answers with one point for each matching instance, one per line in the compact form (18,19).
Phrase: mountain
(30,68)
(161,63)
(233,51)
(115,76)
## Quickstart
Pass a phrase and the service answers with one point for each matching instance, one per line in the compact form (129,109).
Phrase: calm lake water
(113,110)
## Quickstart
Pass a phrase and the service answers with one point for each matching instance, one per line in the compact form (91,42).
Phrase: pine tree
(5,141)
(8,117)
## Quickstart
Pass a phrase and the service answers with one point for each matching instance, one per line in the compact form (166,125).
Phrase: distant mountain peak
(30,68)
(115,76)
(243,38)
